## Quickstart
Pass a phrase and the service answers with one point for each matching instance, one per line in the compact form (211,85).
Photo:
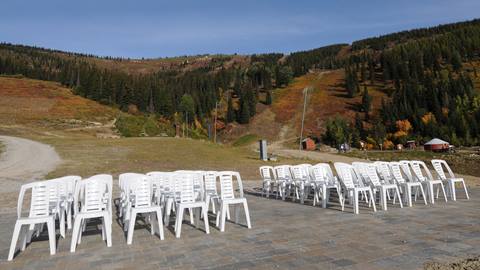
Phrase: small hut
(308,144)
(436,145)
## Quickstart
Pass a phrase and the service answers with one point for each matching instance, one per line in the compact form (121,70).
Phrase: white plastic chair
(353,188)
(268,176)
(211,194)
(428,180)
(227,198)
(39,214)
(141,203)
(407,186)
(283,180)
(93,199)
(451,180)
(301,181)
(188,200)
(375,183)
(323,183)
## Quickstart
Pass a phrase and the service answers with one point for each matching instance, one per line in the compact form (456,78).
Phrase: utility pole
(305,94)
(215,123)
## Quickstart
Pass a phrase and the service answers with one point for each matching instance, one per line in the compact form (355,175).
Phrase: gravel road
(23,161)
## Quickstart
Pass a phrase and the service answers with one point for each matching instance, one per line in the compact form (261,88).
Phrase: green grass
(245,140)
(87,156)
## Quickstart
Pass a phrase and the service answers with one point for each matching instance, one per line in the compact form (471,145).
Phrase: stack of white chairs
(268,177)
(57,196)
(92,199)
(40,213)
(138,196)
(227,198)
(283,180)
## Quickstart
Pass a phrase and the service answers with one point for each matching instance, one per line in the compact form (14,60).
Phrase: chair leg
(430,193)
(179,221)
(398,196)
(247,214)
(423,194)
(373,202)
(51,236)
(61,216)
(108,228)
(24,236)
(408,195)
(452,190)
(168,210)
(190,212)
(131,228)
(69,216)
(205,219)
(75,233)
(13,244)
(223,217)
(465,188)
(383,198)
(160,225)
(443,190)
(355,202)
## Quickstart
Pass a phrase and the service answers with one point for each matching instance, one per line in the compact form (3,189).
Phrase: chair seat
(93,214)
(235,200)
(454,180)
(30,220)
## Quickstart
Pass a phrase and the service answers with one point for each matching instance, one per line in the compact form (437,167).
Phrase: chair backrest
(406,169)
(299,172)
(282,172)
(95,193)
(330,176)
(184,185)
(360,170)
(372,175)
(41,192)
(267,172)
(417,167)
(319,173)
(142,190)
(210,180)
(396,171)
(383,169)
(345,174)
(438,165)
(226,185)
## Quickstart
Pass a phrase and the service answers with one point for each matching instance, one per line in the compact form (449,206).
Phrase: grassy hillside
(40,104)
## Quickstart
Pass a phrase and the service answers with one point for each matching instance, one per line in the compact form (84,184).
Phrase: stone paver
(285,235)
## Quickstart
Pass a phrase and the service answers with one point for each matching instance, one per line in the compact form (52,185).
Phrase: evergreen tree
(230,111)
(268,98)
(366,102)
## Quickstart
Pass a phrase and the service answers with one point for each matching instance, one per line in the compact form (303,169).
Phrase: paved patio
(285,235)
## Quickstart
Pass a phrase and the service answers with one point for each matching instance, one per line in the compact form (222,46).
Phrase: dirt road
(23,161)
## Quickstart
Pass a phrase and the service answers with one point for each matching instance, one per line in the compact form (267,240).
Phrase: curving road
(24,160)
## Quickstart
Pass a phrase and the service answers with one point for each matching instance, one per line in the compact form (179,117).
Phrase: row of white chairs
(165,192)
(363,180)
(73,201)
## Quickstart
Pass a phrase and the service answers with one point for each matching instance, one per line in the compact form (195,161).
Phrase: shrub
(151,127)
(130,126)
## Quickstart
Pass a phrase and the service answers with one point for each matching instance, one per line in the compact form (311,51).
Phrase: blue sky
(157,28)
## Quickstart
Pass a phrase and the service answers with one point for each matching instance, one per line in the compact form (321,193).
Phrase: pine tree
(230,111)
(366,102)
(244,116)
(268,99)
